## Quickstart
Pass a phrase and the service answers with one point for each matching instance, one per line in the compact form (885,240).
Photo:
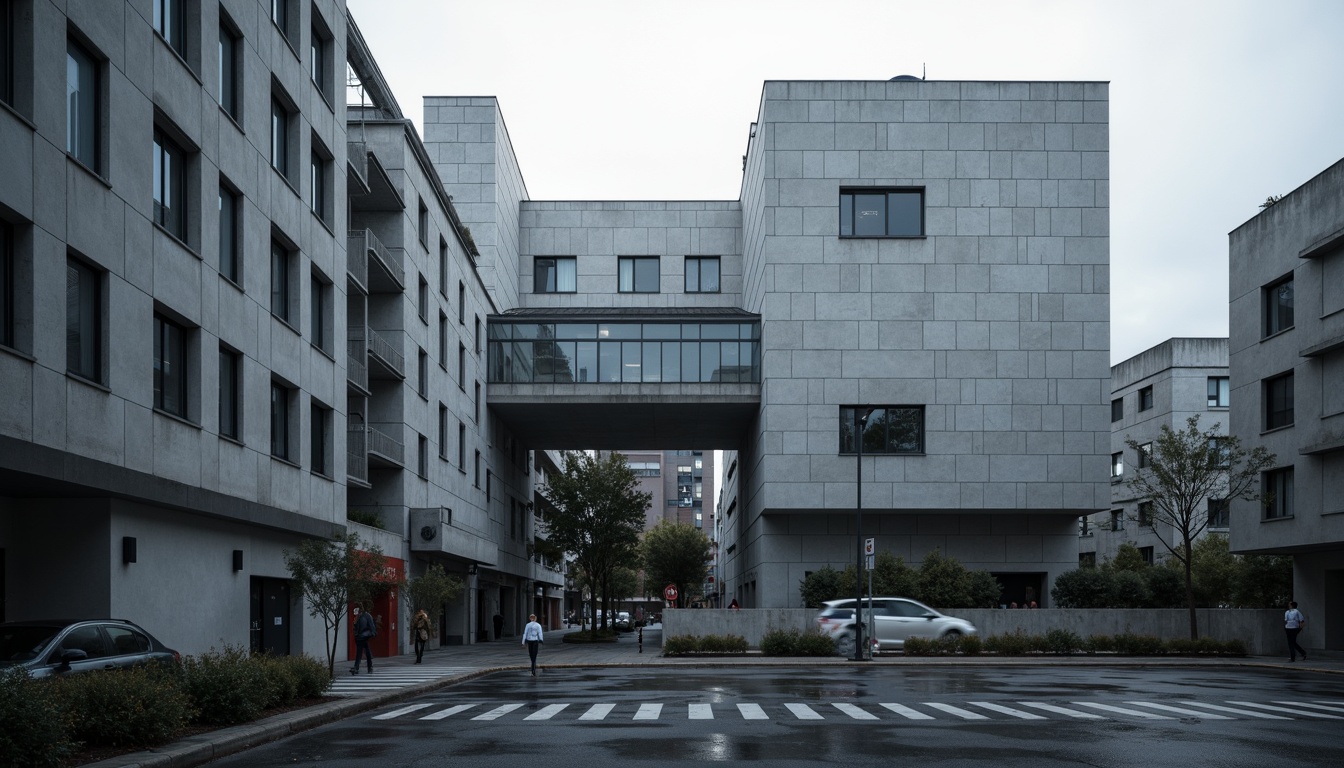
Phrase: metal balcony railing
(386,352)
(386,446)
(357,257)
(357,455)
(357,160)
(356,368)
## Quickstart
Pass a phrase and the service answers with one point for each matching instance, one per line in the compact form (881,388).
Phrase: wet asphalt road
(1039,717)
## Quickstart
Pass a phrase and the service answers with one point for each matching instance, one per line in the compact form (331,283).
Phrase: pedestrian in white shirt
(532,638)
(1292,625)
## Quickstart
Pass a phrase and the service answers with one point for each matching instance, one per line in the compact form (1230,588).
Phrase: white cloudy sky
(1214,105)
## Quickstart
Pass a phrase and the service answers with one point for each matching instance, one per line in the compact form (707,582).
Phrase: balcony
(433,530)
(357,456)
(384,360)
(384,266)
(357,260)
(357,167)
(356,367)
(384,450)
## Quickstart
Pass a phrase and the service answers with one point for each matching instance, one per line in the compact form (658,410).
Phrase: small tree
(430,590)
(331,575)
(819,586)
(676,553)
(1187,468)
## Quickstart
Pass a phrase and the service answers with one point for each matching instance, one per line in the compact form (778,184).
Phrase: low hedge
(35,730)
(140,707)
(687,645)
(792,642)
(1060,642)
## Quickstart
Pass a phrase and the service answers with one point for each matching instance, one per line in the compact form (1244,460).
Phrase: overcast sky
(1214,105)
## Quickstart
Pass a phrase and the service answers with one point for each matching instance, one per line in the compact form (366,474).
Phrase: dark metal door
(270,616)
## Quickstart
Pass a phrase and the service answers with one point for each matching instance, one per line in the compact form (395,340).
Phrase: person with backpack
(1292,626)
(365,630)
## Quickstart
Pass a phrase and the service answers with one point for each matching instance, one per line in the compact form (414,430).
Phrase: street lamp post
(860,421)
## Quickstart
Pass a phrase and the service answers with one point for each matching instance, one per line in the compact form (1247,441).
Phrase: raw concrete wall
(1262,630)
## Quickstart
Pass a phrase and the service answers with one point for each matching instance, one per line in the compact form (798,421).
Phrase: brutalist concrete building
(1286,350)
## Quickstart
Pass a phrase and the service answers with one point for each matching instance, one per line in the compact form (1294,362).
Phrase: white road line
(546,712)
(1179,710)
(649,712)
(1246,712)
(964,714)
(1286,710)
(1321,705)
(1122,710)
(906,712)
(1061,710)
(701,712)
(498,712)
(449,712)
(399,712)
(597,712)
(1006,710)
(854,711)
(752,712)
(803,712)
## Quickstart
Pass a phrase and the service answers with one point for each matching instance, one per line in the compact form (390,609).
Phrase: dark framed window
(1145,456)
(1118,464)
(83,106)
(1145,514)
(702,274)
(230,74)
(476,403)
(1117,409)
(282,16)
(443,340)
(462,446)
(443,431)
(887,429)
(1084,526)
(478,334)
(83,320)
(638,274)
(319,56)
(320,181)
(170,366)
(230,231)
(422,300)
(1218,513)
(422,456)
(555,274)
(422,225)
(1220,452)
(462,366)
(1145,399)
(320,312)
(282,119)
(422,373)
(169,23)
(1087,559)
(1276,487)
(1117,520)
(1278,306)
(6,278)
(319,441)
(7,51)
(476,477)
(170,185)
(1147,554)
(1278,393)
(873,212)
(281,259)
(280,395)
(443,268)
(1218,391)
(461,303)
(230,393)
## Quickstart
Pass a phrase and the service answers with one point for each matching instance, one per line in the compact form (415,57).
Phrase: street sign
(869,547)
(670,592)
(870,562)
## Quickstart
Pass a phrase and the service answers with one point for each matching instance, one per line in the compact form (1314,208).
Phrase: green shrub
(127,708)
(971,645)
(1099,644)
(734,644)
(1181,646)
(680,645)
(309,673)
(712,644)
(919,646)
(1062,641)
(282,683)
(1084,588)
(1127,644)
(781,642)
(1015,643)
(32,722)
(1236,647)
(1131,591)
(816,643)
(227,686)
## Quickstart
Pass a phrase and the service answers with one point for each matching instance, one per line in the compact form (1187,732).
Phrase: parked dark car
(623,622)
(60,647)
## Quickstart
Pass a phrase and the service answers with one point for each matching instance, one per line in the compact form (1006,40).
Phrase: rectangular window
(1220,452)
(476,403)
(1117,409)
(1117,520)
(422,373)
(1118,464)
(280,15)
(319,421)
(230,392)
(461,303)
(476,477)
(1145,456)
(478,335)
(230,227)
(7,51)
(462,446)
(1278,306)
(170,366)
(423,224)
(83,321)
(462,366)
(1218,391)
(1278,393)
(319,182)
(168,22)
(1084,526)
(6,277)
(170,186)
(443,340)
(422,300)
(1277,489)
(280,421)
(319,57)
(554,274)
(1218,514)
(886,429)
(873,212)
(280,263)
(512,516)
(638,274)
(1145,399)
(422,456)
(702,274)
(443,268)
(1147,554)
(280,130)
(443,431)
(1145,514)
(230,71)
(1087,559)
(82,137)
(320,314)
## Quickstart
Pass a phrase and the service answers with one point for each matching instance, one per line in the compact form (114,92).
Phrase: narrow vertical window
(7,51)
(422,373)
(461,303)
(170,366)
(422,456)
(279,421)
(443,340)
(170,186)
(443,431)
(317,60)
(1276,488)
(1278,306)
(1145,399)
(422,299)
(462,446)
(317,187)
(230,369)
(476,403)
(168,22)
(443,268)
(83,321)
(478,334)
(229,227)
(319,310)
(230,79)
(1117,409)
(280,16)
(1278,395)
(280,120)
(1218,392)
(280,261)
(319,416)
(81,101)
(462,366)
(423,223)
(6,277)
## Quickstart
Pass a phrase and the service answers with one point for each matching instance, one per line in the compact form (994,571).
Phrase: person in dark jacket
(365,629)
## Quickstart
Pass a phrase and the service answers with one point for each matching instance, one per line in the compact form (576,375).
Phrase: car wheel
(844,644)
(954,634)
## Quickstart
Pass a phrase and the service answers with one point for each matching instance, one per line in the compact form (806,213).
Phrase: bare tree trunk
(1190,589)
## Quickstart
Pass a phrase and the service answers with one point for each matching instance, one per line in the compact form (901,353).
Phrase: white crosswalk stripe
(498,712)
(1244,712)
(906,712)
(1180,710)
(1122,710)
(597,712)
(1061,710)
(390,679)
(803,712)
(1286,710)
(700,712)
(649,711)
(1309,705)
(547,712)
(399,712)
(855,712)
(964,714)
(449,712)
(752,712)
(992,707)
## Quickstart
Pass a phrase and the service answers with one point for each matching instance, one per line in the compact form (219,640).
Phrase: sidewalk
(398,677)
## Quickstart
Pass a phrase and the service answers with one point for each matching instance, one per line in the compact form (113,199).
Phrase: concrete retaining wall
(1262,630)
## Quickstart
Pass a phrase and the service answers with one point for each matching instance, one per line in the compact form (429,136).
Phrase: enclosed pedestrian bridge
(610,378)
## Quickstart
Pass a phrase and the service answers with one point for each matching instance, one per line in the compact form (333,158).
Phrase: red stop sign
(670,592)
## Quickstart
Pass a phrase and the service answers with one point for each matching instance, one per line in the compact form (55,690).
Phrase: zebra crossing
(967,711)
(390,678)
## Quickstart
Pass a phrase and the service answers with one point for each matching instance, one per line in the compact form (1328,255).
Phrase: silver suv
(63,647)
(894,619)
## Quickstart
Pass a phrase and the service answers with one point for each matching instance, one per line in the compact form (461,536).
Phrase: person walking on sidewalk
(420,632)
(364,631)
(532,638)
(1292,626)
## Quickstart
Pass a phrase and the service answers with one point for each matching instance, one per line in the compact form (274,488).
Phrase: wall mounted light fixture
(237,560)
(127,550)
